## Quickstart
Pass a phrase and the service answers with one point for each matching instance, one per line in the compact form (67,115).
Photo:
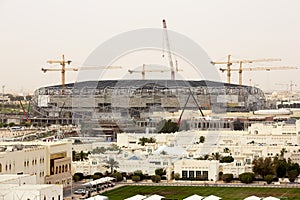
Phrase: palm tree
(143,141)
(216,156)
(111,163)
(282,152)
(226,150)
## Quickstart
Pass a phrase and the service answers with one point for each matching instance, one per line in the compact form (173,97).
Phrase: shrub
(247,177)
(227,159)
(76,178)
(292,175)
(268,178)
(135,178)
(155,178)
(176,176)
(81,176)
(139,173)
(118,176)
(227,178)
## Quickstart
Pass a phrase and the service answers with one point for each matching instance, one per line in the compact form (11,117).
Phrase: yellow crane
(144,70)
(265,68)
(63,69)
(230,62)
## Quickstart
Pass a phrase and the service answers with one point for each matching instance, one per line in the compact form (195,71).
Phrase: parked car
(80,191)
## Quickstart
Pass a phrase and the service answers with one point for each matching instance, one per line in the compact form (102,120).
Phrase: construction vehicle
(230,62)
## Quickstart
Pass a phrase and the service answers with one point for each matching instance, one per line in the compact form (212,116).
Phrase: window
(184,174)
(0,167)
(205,175)
(191,174)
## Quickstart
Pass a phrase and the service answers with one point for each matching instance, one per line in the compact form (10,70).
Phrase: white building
(28,192)
(194,169)
(24,187)
(49,161)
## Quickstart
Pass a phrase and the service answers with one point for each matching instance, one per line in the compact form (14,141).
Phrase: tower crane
(289,85)
(230,62)
(240,70)
(168,49)
(63,69)
(143,71)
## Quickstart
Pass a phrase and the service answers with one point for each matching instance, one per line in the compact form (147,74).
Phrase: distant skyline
(33,32)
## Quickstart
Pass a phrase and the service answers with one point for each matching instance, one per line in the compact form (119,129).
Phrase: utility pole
(228,68)
(63,63)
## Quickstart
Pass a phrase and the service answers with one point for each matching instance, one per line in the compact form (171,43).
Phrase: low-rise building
(197,169)
(49,161)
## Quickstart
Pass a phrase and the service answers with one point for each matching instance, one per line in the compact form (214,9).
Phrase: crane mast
(169,49)
(63,69)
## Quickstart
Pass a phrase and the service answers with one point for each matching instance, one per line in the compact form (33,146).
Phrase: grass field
(180,192)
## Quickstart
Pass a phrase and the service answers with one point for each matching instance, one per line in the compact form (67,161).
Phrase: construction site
(107,105)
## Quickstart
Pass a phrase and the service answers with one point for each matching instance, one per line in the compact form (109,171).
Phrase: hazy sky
(34,31)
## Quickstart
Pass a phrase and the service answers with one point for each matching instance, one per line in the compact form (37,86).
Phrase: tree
(201,139)
(282,152)
(83,155)
(144,140)
(139,173)
(95,176)
(78,174)
(247,177)
(111,163)
(226,150)
(135,178)
(227,159)
(216,156)
(167,127)
(268,178)
(237,125)
(227,178)
(98,150)
(280,167)
(263,166)
(292,175)
(118,176)
(176,176)
(155,178)
(76,178)
(160,172)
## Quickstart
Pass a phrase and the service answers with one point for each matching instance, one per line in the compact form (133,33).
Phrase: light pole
(3,86)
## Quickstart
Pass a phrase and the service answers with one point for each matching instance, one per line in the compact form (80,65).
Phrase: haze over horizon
(33,32)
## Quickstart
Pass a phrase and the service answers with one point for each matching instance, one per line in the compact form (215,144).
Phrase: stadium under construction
(115,100)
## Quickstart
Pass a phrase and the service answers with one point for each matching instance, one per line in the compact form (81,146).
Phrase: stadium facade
(138,99)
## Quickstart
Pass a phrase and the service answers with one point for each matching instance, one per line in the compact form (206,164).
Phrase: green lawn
(180,192)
